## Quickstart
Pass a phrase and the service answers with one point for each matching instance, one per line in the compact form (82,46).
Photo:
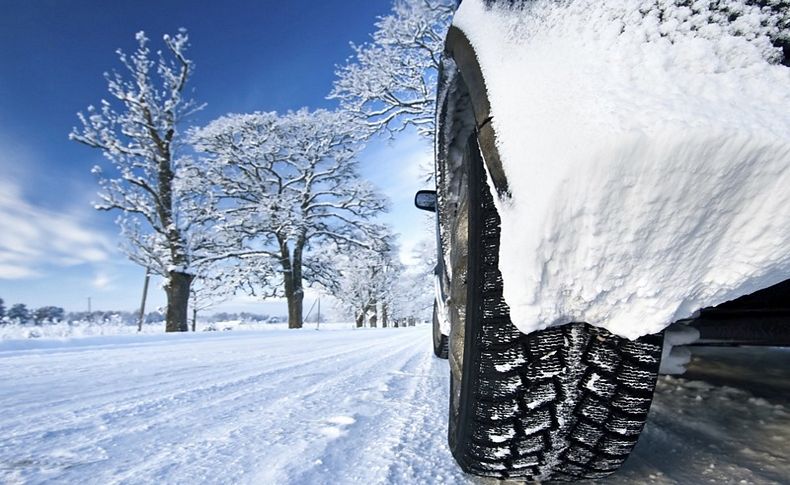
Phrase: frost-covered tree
(285,186)
(39,315)
(390,82)
(48,314)
(137,130)
(365,281)
(56,314)
(2,311)
(156,316)
(412,295)
(19,313)
(412,298)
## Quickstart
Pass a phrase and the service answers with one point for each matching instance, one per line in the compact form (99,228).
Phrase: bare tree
(285,186)
(391,81)
(137,131)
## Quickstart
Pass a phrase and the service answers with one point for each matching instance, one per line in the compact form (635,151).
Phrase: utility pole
(318,323)
(90,317)
(142,304)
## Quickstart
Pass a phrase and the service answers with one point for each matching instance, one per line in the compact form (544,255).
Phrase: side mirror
(426,200)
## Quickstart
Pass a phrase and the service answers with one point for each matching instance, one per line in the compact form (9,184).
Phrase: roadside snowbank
(77,329)
(647,149)
(26,336)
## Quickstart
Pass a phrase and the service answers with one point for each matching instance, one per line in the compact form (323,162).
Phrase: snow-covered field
(65,330)
(324,407)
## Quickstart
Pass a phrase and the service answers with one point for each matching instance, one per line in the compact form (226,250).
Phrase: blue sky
(249,55)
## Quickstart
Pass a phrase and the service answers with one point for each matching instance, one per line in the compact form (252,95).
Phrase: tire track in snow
(422,455)
(278,373)
(259,419)
(169,386)
(327,419)
(378,410)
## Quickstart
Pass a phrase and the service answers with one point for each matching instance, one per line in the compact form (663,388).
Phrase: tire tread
(564,403)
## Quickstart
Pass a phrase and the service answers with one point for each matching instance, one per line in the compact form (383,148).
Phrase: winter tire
(439,339)
(564,403)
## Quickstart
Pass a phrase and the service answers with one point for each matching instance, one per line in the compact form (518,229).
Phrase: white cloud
(33,238)
(102,281)
(16,272)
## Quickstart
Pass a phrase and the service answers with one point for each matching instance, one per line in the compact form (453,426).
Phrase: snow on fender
(647,155)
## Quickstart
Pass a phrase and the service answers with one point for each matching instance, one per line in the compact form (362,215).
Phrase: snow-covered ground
(325,407)
(66,330)
(727,420)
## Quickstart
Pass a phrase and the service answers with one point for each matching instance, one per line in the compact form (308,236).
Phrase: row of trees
(375,286)
(263,203)
(20,313)
(389,84)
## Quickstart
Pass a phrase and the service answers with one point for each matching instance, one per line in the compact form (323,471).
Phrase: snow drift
(647,150)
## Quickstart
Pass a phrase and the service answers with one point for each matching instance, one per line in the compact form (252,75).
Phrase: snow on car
(647,153)
(604,169)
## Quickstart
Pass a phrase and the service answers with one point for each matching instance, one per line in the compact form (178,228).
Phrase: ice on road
(318,407)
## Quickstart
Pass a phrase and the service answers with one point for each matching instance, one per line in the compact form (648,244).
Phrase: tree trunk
(384,315)
(194,319)
(295,298)
(292,280)
(294,294)
(374,318)
(177,290)
(361,319)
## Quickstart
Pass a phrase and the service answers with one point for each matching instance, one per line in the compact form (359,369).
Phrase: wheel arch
(462,107)
(463,90)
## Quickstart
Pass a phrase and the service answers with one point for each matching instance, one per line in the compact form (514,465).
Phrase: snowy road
(328,407)
(269,407)
(727,420)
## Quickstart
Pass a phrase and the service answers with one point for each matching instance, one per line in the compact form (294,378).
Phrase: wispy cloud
(33,239)
(102,281)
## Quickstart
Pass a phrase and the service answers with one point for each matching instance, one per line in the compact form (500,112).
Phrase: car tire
(565,403)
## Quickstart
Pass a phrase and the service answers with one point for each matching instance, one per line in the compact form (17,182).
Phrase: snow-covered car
(604,169)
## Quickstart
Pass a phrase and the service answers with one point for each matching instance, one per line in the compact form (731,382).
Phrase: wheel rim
(459,266)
